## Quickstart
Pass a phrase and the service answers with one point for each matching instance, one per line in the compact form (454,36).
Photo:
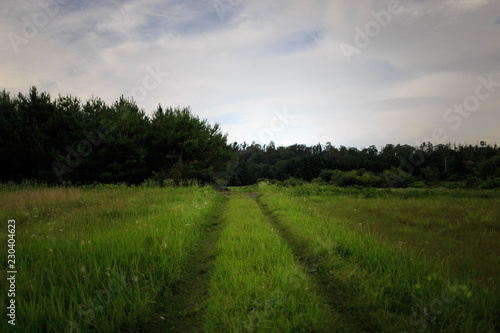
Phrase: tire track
(189,299)
(337,296)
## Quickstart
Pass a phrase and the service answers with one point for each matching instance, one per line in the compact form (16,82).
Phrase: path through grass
(395,288)
(257,285)
(116,258)
(188,303)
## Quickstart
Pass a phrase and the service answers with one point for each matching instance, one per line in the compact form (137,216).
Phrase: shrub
(492,183)
(293,182)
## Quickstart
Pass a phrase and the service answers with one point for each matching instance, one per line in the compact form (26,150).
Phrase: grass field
(103,259)
(116,258)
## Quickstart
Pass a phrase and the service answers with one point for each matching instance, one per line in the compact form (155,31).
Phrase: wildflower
(51,250)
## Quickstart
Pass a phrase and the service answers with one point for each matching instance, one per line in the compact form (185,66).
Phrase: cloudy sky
(353,73)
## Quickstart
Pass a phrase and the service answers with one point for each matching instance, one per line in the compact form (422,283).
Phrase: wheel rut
(189,299)
(337,296)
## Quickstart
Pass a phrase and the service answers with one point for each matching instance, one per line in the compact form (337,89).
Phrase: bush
(492,183)
(396,178)
(293,182)
(369,179)
(318,181)
(472,182)
(419,184)
(350,178)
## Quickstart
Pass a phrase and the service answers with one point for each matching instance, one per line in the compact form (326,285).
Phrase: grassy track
(188,303)
(127,259)
(348,302)
(390,284)
(105,259)
(257,286)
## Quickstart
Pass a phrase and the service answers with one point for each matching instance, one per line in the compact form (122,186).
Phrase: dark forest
(64,140)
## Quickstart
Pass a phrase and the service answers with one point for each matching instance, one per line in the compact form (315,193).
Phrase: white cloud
(263,55)
(462,6)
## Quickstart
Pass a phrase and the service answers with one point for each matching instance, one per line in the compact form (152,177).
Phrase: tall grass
(369,192)
(399,290)
(102,259)
(459,236)
(257,286)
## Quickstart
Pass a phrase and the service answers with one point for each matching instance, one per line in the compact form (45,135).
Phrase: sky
(352,73)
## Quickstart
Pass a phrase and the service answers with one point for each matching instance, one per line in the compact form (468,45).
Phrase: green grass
(309,258)
(343,235)
(242,189)
(459,236)
(257,286)
(105,259)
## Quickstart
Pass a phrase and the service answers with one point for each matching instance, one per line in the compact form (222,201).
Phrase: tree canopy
(391,166)
(67,140)
(63,139)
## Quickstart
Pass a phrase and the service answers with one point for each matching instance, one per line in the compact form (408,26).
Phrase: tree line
(66,140)
(391,166)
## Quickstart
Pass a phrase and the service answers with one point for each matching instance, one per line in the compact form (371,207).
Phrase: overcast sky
(353,73)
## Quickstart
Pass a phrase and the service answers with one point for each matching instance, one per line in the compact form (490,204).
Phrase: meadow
(255,259)
(103,259)
(430,258)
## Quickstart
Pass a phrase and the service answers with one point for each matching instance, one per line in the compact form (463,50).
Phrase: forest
(65,140)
